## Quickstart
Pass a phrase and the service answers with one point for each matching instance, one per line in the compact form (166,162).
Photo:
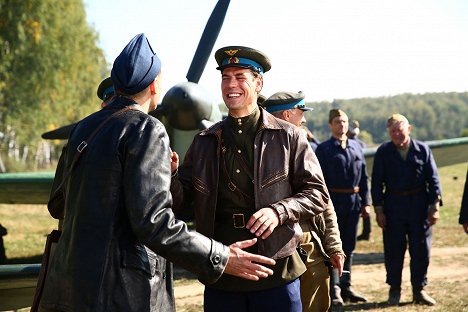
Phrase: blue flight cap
(284,101)
(136,67)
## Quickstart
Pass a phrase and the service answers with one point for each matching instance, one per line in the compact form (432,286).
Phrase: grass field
(448,273)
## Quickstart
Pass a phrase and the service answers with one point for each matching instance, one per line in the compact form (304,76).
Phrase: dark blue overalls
(347,181)
(405,189)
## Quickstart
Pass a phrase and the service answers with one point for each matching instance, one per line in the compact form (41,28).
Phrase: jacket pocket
(200,186)
(275,178)
(140,258)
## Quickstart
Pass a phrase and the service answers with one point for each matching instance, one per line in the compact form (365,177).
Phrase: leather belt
(345,190)
(405,193)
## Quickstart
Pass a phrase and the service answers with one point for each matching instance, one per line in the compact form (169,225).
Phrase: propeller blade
(207,41)
(61,133)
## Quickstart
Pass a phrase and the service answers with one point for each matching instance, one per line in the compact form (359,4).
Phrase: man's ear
(152,88)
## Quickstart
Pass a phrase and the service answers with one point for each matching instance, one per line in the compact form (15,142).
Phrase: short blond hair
(396,118)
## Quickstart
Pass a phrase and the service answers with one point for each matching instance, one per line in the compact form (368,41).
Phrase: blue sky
(330,49)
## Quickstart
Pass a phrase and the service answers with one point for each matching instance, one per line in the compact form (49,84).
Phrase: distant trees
(434,116)
(50,65)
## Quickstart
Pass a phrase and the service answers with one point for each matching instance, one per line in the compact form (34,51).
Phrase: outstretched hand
(246,265)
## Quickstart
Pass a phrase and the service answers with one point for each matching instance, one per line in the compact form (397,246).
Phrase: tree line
(434,116)
(50,65)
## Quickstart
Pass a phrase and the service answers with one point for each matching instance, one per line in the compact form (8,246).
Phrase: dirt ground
(448,284)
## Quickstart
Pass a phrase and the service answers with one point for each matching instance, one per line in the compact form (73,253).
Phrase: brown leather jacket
(287,178)
(323,230)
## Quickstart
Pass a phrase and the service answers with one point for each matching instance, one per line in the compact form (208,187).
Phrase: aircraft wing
(17,285)
(446,152)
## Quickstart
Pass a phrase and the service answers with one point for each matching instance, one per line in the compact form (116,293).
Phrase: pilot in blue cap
(285,100)
(136,67)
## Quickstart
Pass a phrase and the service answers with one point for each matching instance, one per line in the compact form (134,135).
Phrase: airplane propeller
(186,105)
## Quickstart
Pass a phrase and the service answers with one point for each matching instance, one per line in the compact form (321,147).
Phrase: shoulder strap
(83,145)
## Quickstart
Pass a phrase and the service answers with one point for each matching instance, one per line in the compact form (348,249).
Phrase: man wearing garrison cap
(406,195)
(252,175)
(321,238)
(344,169)
(117,207)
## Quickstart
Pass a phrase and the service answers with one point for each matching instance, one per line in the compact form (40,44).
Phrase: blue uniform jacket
(344,168)
(395,174)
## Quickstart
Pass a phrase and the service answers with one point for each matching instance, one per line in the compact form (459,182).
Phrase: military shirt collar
(243,124)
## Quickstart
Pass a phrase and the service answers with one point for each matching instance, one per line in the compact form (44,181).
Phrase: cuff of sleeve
(219,258)
(378,209)
(282,213)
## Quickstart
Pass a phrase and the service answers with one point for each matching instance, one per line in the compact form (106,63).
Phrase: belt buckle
(238,220)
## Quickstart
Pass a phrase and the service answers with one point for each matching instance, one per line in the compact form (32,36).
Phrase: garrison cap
(243,57)
(136,67)
(285,100)
(396,118)
(335,113)
(105,89)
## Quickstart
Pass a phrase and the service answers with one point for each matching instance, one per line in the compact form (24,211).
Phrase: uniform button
(239,151)
(237,170)
(240,131)
(217,259)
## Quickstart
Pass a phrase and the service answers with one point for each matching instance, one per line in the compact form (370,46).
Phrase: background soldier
(344,169)
(321,238)
(407,209)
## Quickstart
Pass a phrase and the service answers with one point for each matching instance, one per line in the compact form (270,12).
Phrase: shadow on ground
(369,306)
(368,258)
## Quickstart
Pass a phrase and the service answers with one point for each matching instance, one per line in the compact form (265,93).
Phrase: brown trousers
(315,282)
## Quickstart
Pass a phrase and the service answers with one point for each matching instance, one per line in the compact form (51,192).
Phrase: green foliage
(434,116)
(50,65)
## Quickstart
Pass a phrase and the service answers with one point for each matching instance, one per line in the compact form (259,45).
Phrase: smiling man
(251,175)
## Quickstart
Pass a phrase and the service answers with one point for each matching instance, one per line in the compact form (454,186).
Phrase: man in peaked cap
(321,238)
(117,208)
(406,194)
(251,175)
(344,169)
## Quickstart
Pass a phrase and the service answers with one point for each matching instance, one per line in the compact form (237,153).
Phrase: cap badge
(231,52)
(233,60)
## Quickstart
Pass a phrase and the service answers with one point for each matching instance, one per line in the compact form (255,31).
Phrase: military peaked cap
(285,100)
(105,89)
(243,57)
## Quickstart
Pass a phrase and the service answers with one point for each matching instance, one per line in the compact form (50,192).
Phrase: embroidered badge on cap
(231,52)
(233,60)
